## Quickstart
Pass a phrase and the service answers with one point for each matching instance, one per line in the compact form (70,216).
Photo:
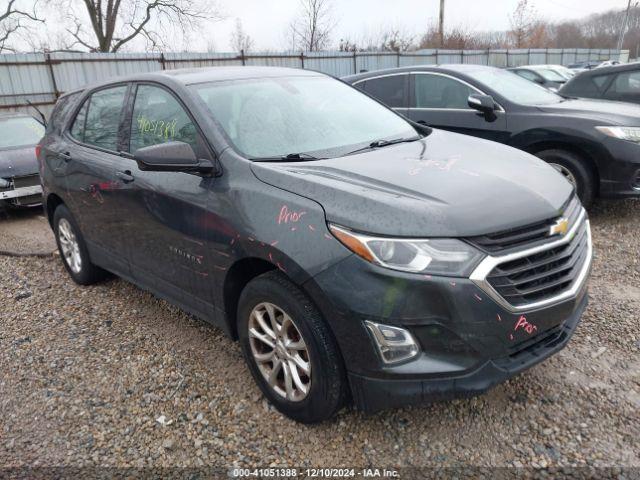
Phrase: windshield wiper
(291,157)
(384,143)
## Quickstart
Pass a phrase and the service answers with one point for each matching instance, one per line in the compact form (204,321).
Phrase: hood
(606,111)
(16,162)
(445,185)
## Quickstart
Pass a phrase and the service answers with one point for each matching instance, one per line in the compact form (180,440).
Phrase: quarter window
(98,121)
(437,91)
(389,90)
(159,118)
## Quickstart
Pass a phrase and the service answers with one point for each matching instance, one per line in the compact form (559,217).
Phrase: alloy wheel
(69,246)
(280,351)
(566,173)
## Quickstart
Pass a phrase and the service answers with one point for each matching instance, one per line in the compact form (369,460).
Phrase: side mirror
(483,103)
(170,157)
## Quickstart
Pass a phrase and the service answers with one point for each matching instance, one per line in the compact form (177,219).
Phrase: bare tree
(311,30)
(13,20)
(240,41)
(522,21)
(114,23)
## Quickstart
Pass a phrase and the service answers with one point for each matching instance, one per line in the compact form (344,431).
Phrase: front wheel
(575,170)
(290,350)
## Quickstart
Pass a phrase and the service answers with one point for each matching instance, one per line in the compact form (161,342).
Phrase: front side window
(317,115)
(389,90)
(438,91)
(98,121)
(551,75)
(20,132)
(159,118)
(514,88)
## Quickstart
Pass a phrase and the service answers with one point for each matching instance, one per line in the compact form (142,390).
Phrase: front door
(441,101)
(168,236)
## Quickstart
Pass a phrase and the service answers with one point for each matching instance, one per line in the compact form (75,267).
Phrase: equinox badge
(560,227)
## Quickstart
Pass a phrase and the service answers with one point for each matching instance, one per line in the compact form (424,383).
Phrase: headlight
(631,134)
(438,256)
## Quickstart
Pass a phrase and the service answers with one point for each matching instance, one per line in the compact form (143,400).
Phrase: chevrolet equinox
(357,257)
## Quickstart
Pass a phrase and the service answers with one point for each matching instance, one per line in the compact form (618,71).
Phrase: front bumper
(373,394)
(620,176)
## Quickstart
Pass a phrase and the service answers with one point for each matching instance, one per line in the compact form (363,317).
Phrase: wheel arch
(52,202)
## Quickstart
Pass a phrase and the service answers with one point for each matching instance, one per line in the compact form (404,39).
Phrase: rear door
(168,231)
(90,149)
(441,101)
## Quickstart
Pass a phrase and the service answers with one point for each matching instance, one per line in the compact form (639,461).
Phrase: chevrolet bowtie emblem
(560,227)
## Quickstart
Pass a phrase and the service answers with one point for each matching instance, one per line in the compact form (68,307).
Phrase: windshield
(515,88)
(20,132)
(319,116)
(551,75)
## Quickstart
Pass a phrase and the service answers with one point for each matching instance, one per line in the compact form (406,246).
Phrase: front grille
(544,274)
(529,235)
(26,181)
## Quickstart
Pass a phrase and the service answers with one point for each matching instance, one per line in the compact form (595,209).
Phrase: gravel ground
(86,372)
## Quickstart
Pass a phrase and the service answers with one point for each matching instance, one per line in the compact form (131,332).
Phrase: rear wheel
(289,349)
(73,249)
(575,170)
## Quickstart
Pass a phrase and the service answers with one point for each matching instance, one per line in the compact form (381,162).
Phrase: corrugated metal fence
(39,78)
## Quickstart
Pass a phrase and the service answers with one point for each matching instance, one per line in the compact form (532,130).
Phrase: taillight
(38,150)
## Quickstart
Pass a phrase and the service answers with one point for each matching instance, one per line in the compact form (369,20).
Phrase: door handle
(125,176)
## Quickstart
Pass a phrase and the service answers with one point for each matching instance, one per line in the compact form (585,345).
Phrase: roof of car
(612,69)
(453,67)
(190,76)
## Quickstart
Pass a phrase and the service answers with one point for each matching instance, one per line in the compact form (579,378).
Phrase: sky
(266,20)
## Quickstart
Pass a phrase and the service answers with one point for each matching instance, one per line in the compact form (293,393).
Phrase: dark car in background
(354,254)
(594,144)
(19,177)
(543,75)
(620,83)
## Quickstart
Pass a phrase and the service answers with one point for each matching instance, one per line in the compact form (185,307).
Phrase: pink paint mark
(194,241)
(233,240)
(218,267)
(511,337)
(478,297)
(312,228)
(271,258)
(327,236)
(468,172)
(453,284)
(281,267)
(250,239)
(293,229)
(203,274)
(222,253)
(427,277)
(286,216)
(499,317)
(523,323)
(273,244)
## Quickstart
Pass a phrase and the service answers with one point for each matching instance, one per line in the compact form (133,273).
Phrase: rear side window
(389,90)
(528,75)
(98,121)
(437,91)
(60,112)
(626,83)
(158,118)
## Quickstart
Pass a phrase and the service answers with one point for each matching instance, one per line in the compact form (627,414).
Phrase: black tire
(585,179)
(328,385)
(88,273)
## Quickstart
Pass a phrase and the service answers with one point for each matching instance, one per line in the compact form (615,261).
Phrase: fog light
(394,344)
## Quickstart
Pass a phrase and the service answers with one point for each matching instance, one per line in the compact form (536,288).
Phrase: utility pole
(441,29)
(624,27)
